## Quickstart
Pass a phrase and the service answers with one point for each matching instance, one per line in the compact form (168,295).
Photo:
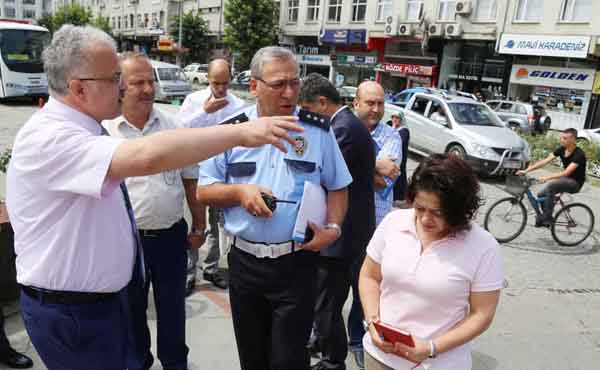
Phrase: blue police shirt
(316,158)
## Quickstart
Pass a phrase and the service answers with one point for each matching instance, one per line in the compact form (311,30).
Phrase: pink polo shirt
(72,231)
(428,294)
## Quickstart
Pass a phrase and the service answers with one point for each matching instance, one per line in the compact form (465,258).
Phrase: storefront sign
(545,45)
(569,78)
(343,36)
(408,69)
(596,89)
(165,44)
(358,61)
(320,60)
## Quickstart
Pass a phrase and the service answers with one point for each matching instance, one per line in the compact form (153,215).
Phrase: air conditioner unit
(464,7)
(436,30)
(406,29)
(453,30)
(391,25)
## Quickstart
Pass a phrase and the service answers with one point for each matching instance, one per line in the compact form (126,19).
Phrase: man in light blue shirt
(369,106)
(272,277)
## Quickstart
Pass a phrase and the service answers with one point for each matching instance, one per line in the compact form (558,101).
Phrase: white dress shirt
(192,114)
(157,200)
(72,231)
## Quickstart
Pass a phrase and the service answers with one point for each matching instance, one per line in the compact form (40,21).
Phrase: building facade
(23,9)
(546,51)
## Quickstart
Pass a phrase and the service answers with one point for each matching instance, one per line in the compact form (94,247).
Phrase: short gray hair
(267,53)
(68,53)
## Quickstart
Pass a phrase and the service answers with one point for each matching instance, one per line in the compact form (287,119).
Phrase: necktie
(139,269)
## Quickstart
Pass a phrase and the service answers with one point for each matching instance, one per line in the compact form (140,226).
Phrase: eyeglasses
(116,78)
(281,84)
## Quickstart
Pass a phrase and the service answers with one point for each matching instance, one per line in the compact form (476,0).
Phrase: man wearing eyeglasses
(202,109)
(79,254)
(272,285)
(157,202)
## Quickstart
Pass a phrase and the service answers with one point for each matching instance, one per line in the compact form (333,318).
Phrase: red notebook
(393,335)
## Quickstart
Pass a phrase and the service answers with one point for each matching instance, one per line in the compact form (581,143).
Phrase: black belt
(156,232)
(65,297)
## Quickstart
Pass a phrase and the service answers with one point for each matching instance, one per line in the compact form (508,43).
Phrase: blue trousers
(165,254)
(91,336)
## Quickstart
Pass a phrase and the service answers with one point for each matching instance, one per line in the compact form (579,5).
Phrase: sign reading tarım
(545,45)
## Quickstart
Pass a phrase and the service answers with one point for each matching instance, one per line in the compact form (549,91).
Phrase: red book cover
(393,335)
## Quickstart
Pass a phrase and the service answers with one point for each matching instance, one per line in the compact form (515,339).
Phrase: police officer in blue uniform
(273,277)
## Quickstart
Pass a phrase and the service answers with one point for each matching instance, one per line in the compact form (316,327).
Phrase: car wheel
(514,126)
(458,151)
(582,141)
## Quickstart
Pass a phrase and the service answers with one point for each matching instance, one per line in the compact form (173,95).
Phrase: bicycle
(506,219)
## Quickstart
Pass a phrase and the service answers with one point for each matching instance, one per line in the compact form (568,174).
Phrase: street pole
(180,31)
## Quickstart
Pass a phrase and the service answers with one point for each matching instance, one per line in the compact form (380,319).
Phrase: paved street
(549,316)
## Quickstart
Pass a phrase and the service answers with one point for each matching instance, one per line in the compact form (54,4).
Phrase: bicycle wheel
(572,224)
(506,219)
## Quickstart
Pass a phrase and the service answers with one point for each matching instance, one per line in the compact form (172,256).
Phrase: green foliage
(194,32)
(4,159)
(73,14)
(249,26)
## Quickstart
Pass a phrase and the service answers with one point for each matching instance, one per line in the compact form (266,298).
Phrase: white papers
(313,208)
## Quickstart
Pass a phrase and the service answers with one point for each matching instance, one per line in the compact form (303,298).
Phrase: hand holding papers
(313,208)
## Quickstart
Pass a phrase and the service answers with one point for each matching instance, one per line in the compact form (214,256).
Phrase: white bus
(21,67)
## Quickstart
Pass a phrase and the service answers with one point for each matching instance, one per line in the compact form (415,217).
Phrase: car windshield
(474,114)
(22,49)
(170,74)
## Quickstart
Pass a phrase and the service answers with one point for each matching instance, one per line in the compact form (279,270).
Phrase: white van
(170,81)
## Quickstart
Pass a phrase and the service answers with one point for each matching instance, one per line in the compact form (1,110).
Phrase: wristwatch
(196,231)
(336,227)
(432,349)
(367,323)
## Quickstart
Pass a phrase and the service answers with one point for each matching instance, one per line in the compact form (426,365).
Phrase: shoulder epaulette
(242,117)
(314,119)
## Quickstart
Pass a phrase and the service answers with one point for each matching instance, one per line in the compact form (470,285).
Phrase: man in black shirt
(569,180)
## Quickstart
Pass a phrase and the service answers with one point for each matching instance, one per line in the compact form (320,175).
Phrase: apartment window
(29,13)
(447,9)
(486,10)
(576,11)
(9,1)
(359,10)
(130,21)
(334,13)
(113,23)
(529,10)
(384,9)
(28,2)
(414,12)
(10,12)
(119,23)
(293,7)
(313,10)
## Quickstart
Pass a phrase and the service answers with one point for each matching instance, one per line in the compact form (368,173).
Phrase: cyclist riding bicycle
(569,180)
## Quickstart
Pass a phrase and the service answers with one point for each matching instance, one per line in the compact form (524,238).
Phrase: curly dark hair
(454,182)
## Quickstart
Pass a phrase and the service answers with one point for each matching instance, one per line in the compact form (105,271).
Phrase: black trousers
(333,285)
(4,345)
(272,306)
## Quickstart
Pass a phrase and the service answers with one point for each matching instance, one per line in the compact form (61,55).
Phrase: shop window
(29,13)
(414,11)
(576,11)
(486,10)
(529,10)
(293,7)
(385,8)
(334,13)
(359,10)
(313,10)
(447,10)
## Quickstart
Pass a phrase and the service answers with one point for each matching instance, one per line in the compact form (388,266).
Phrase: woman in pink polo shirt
(432,272)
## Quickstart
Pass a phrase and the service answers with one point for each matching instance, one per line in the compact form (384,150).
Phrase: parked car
(589,136)
(170,82)
(465,128)
(242,78)
(197,74)
(400,99)
(519,116)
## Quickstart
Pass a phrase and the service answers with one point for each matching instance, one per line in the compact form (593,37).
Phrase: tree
(73,14)
(249,26)
(195,35)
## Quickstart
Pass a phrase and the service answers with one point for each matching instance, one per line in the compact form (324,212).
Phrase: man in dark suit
(397,123)
(340,263)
